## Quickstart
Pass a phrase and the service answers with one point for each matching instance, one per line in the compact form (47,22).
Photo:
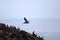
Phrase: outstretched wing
(25,19)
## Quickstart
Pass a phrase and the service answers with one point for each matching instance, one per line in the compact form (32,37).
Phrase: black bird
(26,20)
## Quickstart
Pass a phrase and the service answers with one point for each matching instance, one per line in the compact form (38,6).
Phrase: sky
(43,10)
(15,9)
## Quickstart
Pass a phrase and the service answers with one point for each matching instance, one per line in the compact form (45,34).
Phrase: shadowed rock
(12,33)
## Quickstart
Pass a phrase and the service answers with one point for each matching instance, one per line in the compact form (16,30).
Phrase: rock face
(13,33)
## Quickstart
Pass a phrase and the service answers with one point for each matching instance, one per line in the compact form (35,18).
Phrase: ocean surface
(47,28)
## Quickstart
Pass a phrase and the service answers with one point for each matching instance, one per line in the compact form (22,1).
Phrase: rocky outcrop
(13,33)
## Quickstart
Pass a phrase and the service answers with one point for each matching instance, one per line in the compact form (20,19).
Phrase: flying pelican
(26,20)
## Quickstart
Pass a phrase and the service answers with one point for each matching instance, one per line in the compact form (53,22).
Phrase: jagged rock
(12,33)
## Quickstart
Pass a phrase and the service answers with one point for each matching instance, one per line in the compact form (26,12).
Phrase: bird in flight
(26,22)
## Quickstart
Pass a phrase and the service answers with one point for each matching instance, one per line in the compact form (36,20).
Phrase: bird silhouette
(26,22)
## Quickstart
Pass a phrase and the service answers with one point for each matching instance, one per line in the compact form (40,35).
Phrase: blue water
(47,28)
